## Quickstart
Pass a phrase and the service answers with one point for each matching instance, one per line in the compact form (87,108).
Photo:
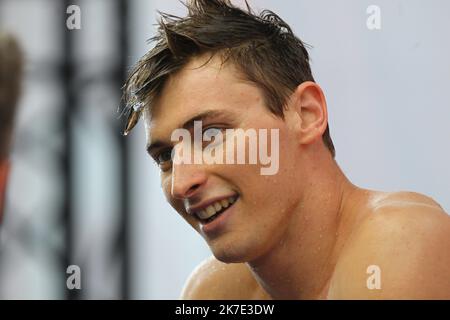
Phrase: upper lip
(206,203)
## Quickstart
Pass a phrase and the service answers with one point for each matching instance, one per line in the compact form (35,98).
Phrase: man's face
(258,214)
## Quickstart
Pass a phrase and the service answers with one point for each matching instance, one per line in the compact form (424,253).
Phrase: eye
(164,156)
(211,132)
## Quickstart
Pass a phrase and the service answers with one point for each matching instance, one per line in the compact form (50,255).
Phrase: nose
(187,179)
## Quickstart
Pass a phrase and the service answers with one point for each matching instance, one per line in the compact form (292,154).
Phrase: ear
(4,172)
(309,103)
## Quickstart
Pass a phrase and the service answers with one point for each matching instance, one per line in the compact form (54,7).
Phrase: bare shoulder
(390,200)
(214,280)
(405,240)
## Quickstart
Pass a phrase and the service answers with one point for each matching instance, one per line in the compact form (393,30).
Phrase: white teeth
(214,208)
(224,203)
(202,214)
(210,210)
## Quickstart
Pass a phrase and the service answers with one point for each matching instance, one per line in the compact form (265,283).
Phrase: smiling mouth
(214,210)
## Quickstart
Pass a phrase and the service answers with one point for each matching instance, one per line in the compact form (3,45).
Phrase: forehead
(203,84)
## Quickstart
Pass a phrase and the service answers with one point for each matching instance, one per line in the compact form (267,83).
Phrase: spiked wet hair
(263,47)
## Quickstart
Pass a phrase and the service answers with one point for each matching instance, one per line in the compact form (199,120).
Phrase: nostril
(184,192)
(192,189)
(186,181)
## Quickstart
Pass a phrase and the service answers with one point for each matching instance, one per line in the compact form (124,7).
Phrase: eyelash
(158,161)
(212,127)
(157,156)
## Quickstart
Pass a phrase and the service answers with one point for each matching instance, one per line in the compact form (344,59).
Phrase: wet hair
(262,47)
(11,64)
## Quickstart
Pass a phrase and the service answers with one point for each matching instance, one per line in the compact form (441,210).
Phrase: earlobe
(312,109)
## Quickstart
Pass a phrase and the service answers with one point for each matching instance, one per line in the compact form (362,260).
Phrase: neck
(301,264)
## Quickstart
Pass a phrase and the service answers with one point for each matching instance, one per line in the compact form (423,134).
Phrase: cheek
(272,195)
(272,203)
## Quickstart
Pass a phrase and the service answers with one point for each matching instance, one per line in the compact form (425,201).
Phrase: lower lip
(217,225)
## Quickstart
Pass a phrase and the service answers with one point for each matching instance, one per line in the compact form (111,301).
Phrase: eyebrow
(189,124)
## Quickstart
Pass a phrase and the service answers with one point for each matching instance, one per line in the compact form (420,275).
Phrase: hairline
(226,60)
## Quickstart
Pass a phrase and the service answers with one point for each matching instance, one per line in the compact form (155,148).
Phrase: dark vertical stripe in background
(125,163)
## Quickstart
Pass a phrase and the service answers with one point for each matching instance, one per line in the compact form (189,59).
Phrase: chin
(226,257)
(233,251)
